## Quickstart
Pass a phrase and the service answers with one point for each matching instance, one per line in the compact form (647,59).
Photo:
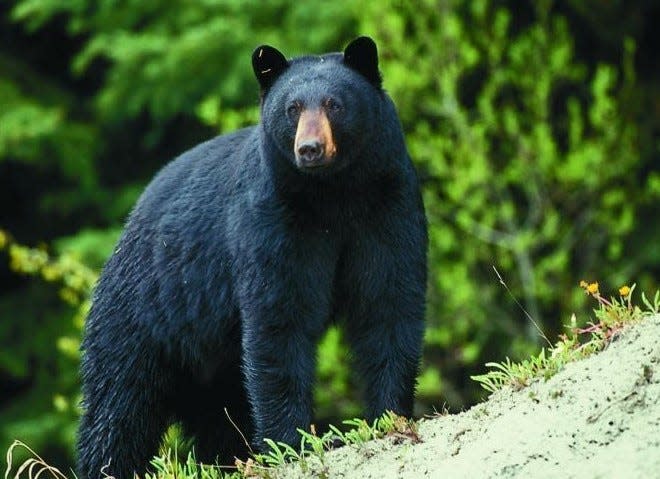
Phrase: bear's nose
(310,152)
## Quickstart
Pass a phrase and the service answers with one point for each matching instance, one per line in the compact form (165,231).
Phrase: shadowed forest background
(533,125)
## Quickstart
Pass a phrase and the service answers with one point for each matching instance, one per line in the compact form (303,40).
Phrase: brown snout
(314,145)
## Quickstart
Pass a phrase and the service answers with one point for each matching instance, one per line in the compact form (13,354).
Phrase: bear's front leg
(279,365)
(386,284)
(284,295)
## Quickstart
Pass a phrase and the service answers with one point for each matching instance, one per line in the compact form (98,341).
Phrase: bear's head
(321,112)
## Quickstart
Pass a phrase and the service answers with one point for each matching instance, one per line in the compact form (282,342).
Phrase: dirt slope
(598,418)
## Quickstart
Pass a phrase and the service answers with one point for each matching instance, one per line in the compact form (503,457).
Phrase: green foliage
(91,247)
(37,131)
(333,372)
(50,412)
(197,49)
(24,123)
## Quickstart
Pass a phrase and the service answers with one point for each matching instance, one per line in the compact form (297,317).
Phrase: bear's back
(198,175)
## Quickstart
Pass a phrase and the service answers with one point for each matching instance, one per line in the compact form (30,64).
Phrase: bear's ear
(268,63)
(362,56)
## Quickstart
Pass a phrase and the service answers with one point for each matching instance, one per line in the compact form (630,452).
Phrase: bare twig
(521,307)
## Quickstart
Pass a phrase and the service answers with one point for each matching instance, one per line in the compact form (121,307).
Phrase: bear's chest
(344,210)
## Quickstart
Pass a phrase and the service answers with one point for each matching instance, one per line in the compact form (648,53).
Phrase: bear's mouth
(313,164)
(318,166)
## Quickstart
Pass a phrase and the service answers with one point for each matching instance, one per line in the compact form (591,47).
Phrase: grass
(309,456)
(33,467)
(612,316)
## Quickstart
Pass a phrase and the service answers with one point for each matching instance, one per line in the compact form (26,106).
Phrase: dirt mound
(597,418)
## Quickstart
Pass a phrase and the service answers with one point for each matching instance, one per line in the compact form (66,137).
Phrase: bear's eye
(330,104)
(293,110)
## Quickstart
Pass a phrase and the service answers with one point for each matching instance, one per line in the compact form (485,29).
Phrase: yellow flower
(624,291)
(589,288)
(3,239)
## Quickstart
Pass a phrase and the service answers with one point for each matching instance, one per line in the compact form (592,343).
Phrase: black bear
(238,256)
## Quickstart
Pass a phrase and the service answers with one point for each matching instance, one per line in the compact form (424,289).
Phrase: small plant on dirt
(612,316)
(315,444)
(360,433)
(168,466)
(279,453)
(389,424)
(313,448)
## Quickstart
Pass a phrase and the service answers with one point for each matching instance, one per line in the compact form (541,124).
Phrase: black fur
(233,263)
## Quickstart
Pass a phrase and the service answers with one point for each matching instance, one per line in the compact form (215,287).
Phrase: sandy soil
(598,418)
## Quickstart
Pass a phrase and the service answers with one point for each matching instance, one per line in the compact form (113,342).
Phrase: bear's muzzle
(314,144)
